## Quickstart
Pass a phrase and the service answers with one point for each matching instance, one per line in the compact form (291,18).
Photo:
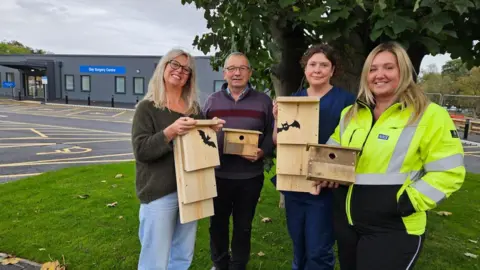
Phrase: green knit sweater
(154,162)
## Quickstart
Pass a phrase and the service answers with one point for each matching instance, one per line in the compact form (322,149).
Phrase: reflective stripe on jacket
(400,166)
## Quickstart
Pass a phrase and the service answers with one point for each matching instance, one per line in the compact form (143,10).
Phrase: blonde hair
(156,86)
(407,93)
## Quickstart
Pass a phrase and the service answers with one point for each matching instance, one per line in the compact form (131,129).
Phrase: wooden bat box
(297,126)
(297,121)
(240,142)
(332,163)
(196,156)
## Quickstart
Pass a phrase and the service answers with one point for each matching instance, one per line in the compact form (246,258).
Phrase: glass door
(35,87)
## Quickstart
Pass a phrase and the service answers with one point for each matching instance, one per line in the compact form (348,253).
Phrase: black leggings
(378,250)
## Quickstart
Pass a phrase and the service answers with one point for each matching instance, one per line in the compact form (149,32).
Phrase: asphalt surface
(35,138)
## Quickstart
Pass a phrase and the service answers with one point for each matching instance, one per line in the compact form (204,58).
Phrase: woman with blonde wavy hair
(410,160)
(169,109)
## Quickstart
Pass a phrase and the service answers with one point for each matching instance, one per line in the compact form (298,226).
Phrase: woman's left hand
(219,124)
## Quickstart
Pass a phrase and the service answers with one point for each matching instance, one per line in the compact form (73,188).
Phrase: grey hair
(235,54)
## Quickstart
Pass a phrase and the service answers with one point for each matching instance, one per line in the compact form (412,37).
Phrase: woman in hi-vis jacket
(410,160)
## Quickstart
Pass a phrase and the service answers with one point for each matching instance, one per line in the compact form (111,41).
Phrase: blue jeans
(310,225)
(165,242)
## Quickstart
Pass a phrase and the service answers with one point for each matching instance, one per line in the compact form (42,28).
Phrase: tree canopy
(15,47)
(275,34)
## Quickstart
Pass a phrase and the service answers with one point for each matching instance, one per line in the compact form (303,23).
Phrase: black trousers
(362,250)
(239,198)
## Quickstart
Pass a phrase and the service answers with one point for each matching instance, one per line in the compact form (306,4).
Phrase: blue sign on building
(103,69)
(6,84)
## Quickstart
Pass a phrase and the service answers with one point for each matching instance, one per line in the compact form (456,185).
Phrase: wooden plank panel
(294,183)
(240,143)
(202,148)
(297,123)
(292,159)
(188,211)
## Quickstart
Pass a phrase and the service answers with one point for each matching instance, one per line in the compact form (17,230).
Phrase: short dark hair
(327,50)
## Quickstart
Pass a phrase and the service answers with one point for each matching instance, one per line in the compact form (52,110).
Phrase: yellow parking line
(120,113)
(473,152)
(111,140)
(39,133)
(24,145)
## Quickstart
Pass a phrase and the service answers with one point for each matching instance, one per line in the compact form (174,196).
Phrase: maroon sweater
(252,111)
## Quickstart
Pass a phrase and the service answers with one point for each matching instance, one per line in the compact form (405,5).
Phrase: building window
(69,83)
(217,85)
(86,83)
(138,86)
(10,77)
(120,85)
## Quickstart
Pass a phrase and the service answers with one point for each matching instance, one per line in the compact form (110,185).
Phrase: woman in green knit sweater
(168,110)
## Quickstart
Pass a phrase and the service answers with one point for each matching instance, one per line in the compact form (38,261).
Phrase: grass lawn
(42,218)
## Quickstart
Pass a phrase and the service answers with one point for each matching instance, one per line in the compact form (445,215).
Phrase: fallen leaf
(114,185)
(112,204)
(470,255)
(52,266)
(120,217)
(119,175)
(42,249)
(473,241)
(103,181)
(444,213)
(261,254)
(266,219)
(84,196)
(10,260)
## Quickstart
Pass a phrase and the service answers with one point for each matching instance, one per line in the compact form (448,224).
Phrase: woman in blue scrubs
(309,217)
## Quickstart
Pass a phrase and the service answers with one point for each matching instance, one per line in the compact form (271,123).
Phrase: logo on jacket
(206,139)
(383,137)
(286,126)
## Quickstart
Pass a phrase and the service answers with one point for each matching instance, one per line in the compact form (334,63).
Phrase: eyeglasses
(240,68)
(176,65)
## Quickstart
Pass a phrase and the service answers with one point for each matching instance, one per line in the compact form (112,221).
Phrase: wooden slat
(297,99)
(241,130)
(201,154)
(294,183)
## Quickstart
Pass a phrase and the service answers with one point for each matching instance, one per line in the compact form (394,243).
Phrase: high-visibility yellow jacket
(402,171)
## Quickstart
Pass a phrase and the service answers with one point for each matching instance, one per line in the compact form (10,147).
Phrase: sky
(124,27)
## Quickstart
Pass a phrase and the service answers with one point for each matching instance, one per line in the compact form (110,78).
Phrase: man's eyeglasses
(176,65)
(240,68)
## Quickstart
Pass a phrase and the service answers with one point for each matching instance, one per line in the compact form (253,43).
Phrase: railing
(471,126)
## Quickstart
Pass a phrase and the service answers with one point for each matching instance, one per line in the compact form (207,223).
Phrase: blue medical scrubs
(309,217)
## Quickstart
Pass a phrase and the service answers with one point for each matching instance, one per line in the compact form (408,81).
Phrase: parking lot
(35,138)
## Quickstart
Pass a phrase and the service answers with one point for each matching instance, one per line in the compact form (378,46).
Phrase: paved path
(35,138)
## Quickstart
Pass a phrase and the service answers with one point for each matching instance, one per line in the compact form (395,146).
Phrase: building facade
(98,77)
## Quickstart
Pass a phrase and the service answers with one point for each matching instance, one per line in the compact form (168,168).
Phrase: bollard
(113,102)
(136,102)
(19,96)
(466,129)
(66,99)
(88,99)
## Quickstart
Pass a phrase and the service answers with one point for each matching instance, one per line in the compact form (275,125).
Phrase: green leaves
(285,3)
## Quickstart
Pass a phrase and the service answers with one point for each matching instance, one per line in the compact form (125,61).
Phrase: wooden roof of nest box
(240,141)
(332,163)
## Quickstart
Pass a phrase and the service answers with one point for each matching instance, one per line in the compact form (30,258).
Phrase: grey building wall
(103,85)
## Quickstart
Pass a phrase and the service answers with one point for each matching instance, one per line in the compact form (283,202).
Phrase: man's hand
(255,158)
(219,125)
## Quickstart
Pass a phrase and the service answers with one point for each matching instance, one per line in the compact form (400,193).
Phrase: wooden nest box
(240,142)
(332,163)
(196,156)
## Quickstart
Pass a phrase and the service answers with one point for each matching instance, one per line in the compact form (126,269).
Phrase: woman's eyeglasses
(176,65)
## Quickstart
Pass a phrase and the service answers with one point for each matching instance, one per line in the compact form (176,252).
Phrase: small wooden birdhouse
(241,142)
(298,120)
(332,163)
(196,156)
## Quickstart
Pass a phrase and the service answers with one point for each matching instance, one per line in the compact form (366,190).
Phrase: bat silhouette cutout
(206,139)
(285,126)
